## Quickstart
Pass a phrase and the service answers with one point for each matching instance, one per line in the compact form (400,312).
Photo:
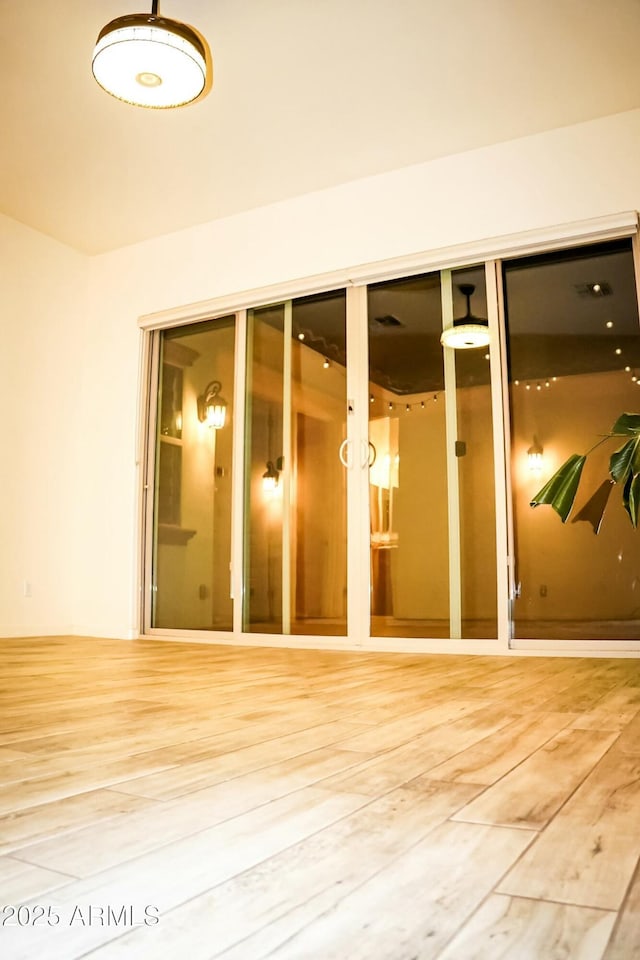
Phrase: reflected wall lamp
(150,61)
(534,457)
(212,408)
(468,331)
(271,476)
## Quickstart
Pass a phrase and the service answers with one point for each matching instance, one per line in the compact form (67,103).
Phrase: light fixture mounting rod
(154,8)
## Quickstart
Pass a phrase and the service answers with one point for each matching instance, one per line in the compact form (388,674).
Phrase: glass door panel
(408,474)
(295,482)
(264,462)
(431,477)
(574,364)
(192,495)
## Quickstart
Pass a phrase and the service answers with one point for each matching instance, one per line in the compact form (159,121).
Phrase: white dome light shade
(465,336)
(150,61)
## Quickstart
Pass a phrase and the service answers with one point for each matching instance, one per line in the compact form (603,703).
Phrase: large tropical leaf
(560,491)
(625,459)
(626,425)
(593,510)
(631,498)
(626,490)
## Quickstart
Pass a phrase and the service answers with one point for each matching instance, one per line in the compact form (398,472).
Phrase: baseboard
(34,631)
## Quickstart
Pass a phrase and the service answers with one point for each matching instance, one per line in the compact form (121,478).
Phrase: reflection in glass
(295,485)
(431,495)
(263,445)
(192,505)
(408,479)
(574,360)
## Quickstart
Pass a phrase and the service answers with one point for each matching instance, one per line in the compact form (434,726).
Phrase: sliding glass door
(295,507)
(574,369)
(190,550)
(366,480)
(366,503)
(431,476)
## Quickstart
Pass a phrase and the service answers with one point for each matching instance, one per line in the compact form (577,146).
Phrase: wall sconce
(534,457)
(271,476)
(212,408)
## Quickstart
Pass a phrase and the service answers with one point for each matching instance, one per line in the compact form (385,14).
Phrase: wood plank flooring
(160,800)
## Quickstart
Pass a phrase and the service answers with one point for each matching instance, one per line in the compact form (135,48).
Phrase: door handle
(369,454)
(344,451)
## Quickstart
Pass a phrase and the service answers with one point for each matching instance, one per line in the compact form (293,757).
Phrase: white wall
(43,298)
(574,173)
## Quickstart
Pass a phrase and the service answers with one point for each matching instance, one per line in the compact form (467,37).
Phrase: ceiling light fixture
(468,331)
(150,61)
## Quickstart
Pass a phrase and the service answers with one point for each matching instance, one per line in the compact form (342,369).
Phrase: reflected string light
(406,407)
(538,386)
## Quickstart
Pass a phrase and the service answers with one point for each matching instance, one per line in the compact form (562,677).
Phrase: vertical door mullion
(635,248)
(238,460)
(287,472)
(453,482)
(150,482)
(501,448)
(357,422)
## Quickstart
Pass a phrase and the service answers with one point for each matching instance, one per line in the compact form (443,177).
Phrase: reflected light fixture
(150,61)
(534,457)
(212,408)
(468,331)
(271,476)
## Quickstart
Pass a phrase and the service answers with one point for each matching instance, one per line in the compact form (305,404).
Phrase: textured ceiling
(306,95)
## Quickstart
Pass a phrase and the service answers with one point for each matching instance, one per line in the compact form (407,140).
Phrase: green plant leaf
(593,510)
(560,491)
(627,425)
(633,499)
(625,495)
(621,461)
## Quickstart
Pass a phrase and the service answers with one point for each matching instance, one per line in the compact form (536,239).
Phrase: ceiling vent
(388,320)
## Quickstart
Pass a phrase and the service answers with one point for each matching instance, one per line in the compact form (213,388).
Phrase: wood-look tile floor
(162,800)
